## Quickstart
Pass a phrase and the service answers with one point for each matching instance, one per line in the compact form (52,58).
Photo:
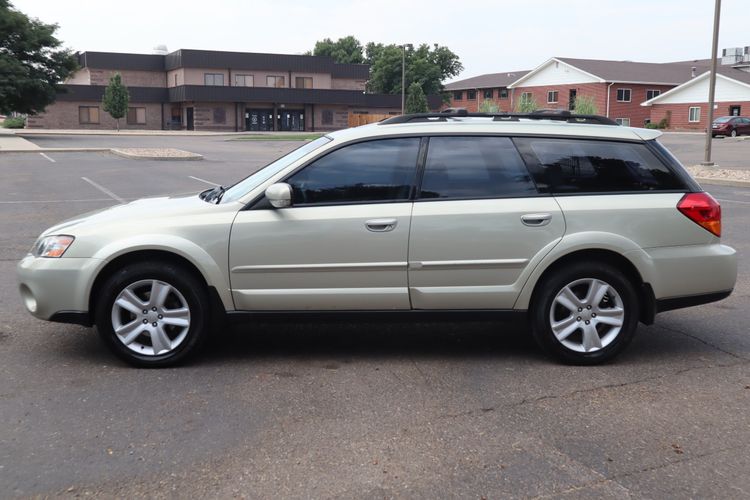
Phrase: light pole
(712,84)
(403,78)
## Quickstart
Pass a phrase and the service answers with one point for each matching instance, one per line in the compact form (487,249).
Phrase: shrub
(663,123)
(652,125)
(488,106)
(14,122)
(526,105)
(584,105)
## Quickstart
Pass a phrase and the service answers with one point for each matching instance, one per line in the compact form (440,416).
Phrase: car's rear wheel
(733,133)
(152,314)
(585,313)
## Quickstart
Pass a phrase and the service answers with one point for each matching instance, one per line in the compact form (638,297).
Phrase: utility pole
(712,85)
(403,78)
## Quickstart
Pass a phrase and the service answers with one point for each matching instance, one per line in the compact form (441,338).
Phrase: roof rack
(542,114)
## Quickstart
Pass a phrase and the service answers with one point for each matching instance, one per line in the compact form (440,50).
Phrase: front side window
(136,116)
(213,79)
(552,96)
(373,171)
(623,95)
(563,166)
(694,114)
(474,167)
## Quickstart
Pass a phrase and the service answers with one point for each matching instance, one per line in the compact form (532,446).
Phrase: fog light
(28,299)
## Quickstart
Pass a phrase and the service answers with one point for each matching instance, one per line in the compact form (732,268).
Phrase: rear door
(478,225)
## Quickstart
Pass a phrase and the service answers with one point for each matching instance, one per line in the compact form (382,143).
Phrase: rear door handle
(536,220)
(381,225)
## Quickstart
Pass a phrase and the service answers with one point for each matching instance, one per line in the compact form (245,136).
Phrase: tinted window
(581,166)
(369,171)
(474,167)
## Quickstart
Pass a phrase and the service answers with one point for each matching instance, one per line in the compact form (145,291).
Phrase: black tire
(733,133)
(554,283)
(189,288)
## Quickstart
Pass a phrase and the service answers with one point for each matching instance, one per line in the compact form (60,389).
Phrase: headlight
(52,246)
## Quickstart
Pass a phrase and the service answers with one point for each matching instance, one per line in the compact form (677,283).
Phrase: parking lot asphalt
(355,410)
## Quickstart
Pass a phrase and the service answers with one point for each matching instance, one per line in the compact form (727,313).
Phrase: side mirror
(279,195)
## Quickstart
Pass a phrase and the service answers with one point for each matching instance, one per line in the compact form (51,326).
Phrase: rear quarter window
(562,166)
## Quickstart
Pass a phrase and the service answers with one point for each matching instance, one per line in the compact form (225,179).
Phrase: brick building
(471,92)
(686,107)
(216,90)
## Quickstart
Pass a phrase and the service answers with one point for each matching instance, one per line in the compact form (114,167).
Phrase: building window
(694,114)
(552,96)
(503,93)
(220,115)
(213,79)
(625,122)
(526,96)
(175,79)
(623,95)
(136,116)
(650,94)
(303,82)
(488,94)
(275,81)
(458,95)
(471,95)
(244,81)
(327,117)
(88,114)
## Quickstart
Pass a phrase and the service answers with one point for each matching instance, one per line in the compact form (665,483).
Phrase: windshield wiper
(213,195)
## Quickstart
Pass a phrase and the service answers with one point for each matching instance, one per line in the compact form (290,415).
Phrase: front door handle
(381,225)
(536,220)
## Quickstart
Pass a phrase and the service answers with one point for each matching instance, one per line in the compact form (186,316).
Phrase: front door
(572,99)
(258,119)
(190,122)
(735,110)
(291,120)
(341,245)
(478,226)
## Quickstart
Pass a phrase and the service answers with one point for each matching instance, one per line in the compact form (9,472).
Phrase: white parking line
(103,190)
(50,159)
(204,180)
(733,201)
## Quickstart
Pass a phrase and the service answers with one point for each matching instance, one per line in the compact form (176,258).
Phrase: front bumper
(56,289)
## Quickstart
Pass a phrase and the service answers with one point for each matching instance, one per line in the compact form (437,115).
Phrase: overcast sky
(489,36)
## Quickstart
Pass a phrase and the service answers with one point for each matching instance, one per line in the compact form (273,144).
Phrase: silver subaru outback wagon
(582,226)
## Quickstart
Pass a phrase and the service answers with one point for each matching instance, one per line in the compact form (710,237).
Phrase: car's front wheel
(585,313)
(152,314)
(733,133)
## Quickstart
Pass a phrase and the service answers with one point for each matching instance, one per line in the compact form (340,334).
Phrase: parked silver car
(583,226)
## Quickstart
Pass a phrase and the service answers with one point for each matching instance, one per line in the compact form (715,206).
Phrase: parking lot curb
(173,155)
(723,182)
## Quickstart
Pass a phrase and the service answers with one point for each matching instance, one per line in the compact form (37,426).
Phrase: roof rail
(542,114)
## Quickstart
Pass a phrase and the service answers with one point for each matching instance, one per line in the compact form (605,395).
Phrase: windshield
(249,183)
(723,119)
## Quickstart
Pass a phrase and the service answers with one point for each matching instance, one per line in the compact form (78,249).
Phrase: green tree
(584,105)
(32,64)
(416,101)
(116,99)
(428,66)
(488,106)
(526,104)
(343,50)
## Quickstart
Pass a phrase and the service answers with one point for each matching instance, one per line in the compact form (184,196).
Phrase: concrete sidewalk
(193,133)
(10,141)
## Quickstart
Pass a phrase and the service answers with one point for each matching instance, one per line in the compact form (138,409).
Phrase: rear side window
(474,167)
(588,166)
(381,170)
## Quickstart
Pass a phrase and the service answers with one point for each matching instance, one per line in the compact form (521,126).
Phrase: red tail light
(702,209)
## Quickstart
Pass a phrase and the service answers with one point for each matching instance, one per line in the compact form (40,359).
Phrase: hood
(139,210)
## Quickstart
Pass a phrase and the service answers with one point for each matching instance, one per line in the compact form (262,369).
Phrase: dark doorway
(291,120)
(572,99)
(258,119)
(190,123)
(735,110)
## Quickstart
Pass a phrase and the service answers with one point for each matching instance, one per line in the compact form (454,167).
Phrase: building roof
(188,58)
(721,71)
(638,72)
(490,80)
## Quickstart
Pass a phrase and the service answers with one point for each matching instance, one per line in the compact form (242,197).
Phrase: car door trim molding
(481,263)
(344,266)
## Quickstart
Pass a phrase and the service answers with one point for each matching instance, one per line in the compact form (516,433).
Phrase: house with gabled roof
(470,93)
